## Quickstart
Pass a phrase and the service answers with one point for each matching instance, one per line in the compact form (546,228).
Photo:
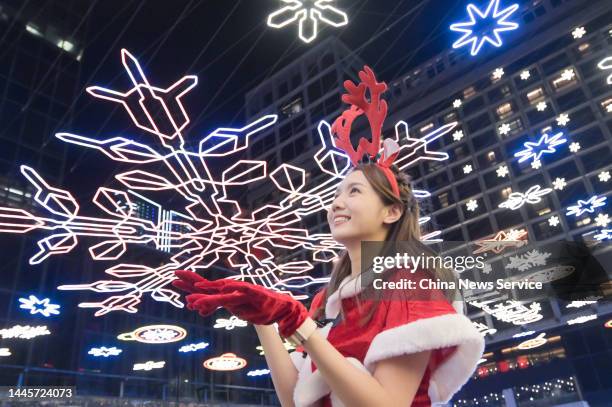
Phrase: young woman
(376,348)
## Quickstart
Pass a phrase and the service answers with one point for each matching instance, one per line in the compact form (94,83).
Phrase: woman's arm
(283,372)
(394,383)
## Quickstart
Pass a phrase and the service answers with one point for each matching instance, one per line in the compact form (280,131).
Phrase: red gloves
(250,302)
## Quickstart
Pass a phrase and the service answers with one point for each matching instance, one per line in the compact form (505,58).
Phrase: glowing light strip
(225,362)
(103,351)
(586,206)
(149,365)
(155,334)
(535,150)
(24,332)
(36,306)
(193,347)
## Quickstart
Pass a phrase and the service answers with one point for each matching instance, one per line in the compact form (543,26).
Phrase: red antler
(375,110)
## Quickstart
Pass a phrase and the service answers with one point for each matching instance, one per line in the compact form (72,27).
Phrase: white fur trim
(311,387)
(428,334)
(298,359)
(349,287)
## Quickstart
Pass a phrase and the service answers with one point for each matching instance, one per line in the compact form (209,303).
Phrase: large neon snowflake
(484,26)
(210,224)
(308,13)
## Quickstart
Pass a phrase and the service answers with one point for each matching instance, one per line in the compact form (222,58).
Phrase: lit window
(584,221)
(606,105)
(450,117)
(535,95)
(469,92)
(491,156)
(504,110)
(426,128)
(543,211)
(292,108)
(566,78)
(584,48)
(444,199)
(506,192)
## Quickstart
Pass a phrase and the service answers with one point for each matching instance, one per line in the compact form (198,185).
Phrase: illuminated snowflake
(559,184)
(568,75)
(528,260)
(308,14)
(602,220)
(502,171)
(159,335)
(504,129)
(458,135)
(24,332)
(472,205)
(467,169)
(457,103)
(231,323)
(207,226)
(563,119)
(525,75)
(604,176)
(578,32)
(553,221)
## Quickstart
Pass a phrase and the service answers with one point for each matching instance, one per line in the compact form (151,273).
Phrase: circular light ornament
(226,362)
(533,342)
(608,324)
(155,334)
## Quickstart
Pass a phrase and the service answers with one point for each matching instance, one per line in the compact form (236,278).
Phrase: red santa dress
(397,327)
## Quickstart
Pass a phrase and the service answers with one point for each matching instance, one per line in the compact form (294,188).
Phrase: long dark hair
(406,228)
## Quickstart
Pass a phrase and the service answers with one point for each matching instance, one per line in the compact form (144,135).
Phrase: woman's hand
(250,302)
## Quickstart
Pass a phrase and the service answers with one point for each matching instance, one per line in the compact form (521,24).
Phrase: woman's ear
(394,212)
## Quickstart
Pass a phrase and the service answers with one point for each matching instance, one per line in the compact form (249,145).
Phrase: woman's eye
(354,189)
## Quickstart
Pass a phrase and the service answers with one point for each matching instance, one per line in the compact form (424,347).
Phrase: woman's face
(358,213)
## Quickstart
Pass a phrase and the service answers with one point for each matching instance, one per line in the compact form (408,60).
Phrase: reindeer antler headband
(375,110)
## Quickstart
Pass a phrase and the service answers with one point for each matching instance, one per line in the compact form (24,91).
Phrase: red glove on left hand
(250,302)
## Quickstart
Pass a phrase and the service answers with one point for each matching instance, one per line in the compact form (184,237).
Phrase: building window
(535,95)
(426,128)
(292,108)
(506,192)
(566,78)
(443,198)
(450,117)
(606,105)
(469,92)
(491,156)
(504,110)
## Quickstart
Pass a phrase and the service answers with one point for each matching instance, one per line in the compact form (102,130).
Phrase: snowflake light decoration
(103,351)
(498,73)
(602,220)
(528,260)
(308,14)
(525,75)
(605,64)
(541,106)
(467,169)
(155,334)
(604,176)
(536,164)
(484,27)
(210,226)
(559,184)
(458,135)
(457,103)
(24,332)
(502,171)
(532,196)
(586,206)
(36,306)
(193,347)
(574,147)
(553,221)
(504,129)
(578,32)
(604,234)
(563,119)
(511,311)
(545,145)
(568,75)
(472,205)
(230,323)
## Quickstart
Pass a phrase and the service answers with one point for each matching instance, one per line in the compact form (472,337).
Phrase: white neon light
(580,304)
(457,103)
(513,312)
(528,260)
(484,329)
(525,75)
(574,147)
(563,119)
(521,334)
(155,334)
(604,234)
(501,240)
(231,323)
(258,372)
(604,176)
(502,171)
(5,352)
(602,220)
(472,205)
(36,306)
(532,196)
(568,75)
(103,351)
(582,319)
(225,362)
(149,365)
(586,206)
(578,32)
(193,347)
(559,184)
(308,14)
(545,145)
(504,129)
(498,73)
(458,135)
(533,342)
(477,39)
(467,169)
(24,332)
(605,64)
(553,221)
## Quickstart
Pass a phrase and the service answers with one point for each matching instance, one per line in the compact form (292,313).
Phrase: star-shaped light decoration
(541,106)
(458,135)
(559,184)
(553,221)
(546,144)
(586,206)
(604,176)
(504,129)
(502,171)
(457,103)
(578,32)
(467,169)
(484,26)
(308,14)
(36,306)
(568,75)
(498,73)
(602,220)
(472,205)
(574,147)
(525,75)
(105,352)
(563,119)
(498,242)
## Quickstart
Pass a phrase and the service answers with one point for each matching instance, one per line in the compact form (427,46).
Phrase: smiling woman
(366,348)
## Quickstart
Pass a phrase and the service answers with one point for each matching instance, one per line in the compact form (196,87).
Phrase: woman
(378,348)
